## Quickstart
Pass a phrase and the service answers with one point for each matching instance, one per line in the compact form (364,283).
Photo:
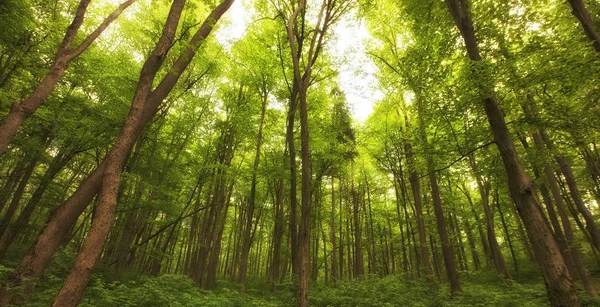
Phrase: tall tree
(559,284)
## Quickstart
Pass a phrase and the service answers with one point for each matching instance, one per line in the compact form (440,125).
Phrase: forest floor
(480,289)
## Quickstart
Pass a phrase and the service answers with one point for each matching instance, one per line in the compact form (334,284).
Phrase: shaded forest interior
(296,153)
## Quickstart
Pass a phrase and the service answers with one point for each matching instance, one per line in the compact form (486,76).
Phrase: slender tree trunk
(293,178)
(252,200)
(55,167)
(447,252)
(334,265)
(359,269)
(17,196)
(416,192)
(277,236)
(484,191)
(507,235)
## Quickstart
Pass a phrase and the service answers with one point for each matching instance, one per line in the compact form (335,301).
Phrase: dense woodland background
(146,161)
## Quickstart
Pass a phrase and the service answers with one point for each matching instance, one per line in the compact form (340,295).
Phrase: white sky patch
(357,72)
(234,23)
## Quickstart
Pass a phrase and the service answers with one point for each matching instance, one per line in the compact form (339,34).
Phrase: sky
(357,72)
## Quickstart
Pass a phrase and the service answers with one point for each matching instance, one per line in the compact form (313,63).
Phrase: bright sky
(357,72)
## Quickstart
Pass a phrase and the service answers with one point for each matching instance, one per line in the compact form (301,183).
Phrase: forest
(299,153)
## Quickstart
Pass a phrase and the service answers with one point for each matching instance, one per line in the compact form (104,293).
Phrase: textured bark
(20,111)
(559,285)
(587,23)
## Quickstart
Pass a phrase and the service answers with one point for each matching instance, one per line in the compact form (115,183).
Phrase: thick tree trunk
(559,285)
(76,282)
(587,23)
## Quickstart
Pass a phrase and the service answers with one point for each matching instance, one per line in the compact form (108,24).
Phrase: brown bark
(583,273)
(559,285)
(20,111)
(302,81)
(587,23)
(76,282)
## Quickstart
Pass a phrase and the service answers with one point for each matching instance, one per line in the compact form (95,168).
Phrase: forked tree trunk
(559,285)
(20,111)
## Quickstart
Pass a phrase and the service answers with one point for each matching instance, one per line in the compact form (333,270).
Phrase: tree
(20,111)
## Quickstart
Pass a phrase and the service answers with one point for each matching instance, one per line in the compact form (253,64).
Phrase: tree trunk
(334,265)
(415,186)
(17,196)
(251,202)
(560,287)
(20,111)
(584,17)
(507,234)
(484,191)
(304,233)
(447,252)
